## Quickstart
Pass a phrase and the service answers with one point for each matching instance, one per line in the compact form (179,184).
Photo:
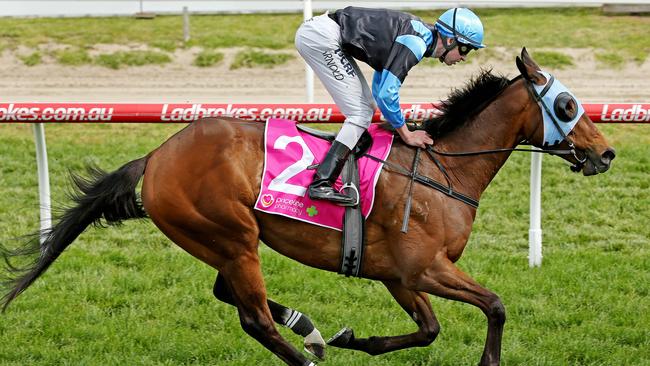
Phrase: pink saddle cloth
(288,153)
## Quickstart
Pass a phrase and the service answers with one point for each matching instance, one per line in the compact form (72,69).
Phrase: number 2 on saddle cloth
(288,154)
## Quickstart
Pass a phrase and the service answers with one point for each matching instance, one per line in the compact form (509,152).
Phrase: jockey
(391,42)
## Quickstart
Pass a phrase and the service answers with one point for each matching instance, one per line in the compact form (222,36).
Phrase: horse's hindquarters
(200,186)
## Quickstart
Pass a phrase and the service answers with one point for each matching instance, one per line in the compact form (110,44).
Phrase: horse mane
(463,104)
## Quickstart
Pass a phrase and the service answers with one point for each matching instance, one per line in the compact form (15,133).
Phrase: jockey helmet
(462,25)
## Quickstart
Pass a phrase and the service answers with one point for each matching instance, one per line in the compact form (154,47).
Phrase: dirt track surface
(181,82)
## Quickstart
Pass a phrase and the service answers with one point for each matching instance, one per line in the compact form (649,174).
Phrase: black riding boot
(326,174)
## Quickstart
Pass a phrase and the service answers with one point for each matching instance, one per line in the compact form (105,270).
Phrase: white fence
(78,8)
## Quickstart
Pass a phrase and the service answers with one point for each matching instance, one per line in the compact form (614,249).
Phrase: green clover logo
(312,211)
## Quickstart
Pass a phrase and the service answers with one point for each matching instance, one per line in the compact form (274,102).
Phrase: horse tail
(101,198)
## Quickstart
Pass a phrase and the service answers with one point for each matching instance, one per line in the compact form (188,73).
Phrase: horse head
(561,122)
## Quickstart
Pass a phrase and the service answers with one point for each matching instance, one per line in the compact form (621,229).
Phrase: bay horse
(199,188)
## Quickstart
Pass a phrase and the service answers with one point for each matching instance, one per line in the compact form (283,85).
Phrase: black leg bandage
(298,322)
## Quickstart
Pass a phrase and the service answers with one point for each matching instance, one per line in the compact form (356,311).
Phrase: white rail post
(535,231)
(186,24)
(43,177)
(309,73)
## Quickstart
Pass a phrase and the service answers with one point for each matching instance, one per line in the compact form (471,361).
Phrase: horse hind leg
(298,322)
(416,305)
(237,260)
(249,294)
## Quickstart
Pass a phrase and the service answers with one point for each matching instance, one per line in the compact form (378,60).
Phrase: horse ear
(522,68)
(529,60)
(529,68)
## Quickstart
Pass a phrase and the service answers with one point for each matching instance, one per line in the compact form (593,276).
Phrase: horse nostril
(608,156)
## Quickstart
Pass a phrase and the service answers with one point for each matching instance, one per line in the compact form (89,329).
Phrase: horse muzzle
(596,162)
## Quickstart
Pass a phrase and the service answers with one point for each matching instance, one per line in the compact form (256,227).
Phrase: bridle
(448,189)
(537,97)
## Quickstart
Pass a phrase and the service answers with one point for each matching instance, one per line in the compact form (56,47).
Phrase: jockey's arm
(385,89)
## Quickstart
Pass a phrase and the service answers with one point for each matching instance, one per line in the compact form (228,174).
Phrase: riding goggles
(464,49)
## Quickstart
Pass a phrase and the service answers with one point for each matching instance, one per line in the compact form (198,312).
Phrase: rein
(494,151)
(448,189)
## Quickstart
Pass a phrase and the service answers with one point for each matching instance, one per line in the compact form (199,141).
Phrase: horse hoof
(342,338)
(316,350)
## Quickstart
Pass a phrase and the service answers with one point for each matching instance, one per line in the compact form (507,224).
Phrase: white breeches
(318,41)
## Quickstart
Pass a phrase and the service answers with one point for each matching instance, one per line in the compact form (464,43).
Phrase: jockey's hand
(417,138)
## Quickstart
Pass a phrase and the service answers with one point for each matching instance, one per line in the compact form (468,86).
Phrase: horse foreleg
(298,322)
(416,305)
(445,280)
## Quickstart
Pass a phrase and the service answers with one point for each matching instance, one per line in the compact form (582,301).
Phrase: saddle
(353,236)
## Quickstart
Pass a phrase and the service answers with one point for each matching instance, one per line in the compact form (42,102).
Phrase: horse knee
(249,325)
(256,326)
(497,312)
(221,291)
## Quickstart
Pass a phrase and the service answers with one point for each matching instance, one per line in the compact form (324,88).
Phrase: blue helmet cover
(469,29)
(551,134)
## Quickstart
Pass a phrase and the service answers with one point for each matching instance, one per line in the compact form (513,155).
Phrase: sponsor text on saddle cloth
(288,153)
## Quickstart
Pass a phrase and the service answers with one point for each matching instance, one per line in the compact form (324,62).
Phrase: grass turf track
(128,296)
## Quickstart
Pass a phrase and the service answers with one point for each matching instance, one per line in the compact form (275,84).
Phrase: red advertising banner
(308,113)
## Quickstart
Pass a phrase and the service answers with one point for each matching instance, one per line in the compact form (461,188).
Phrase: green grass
(487,54)
(32,59)
(73,57)
(567,27)
(165,45)
(128,296)
(208,58)
(533,28)
(254,58)
(165,32)
(552,59)
(117,60)
(610,60)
